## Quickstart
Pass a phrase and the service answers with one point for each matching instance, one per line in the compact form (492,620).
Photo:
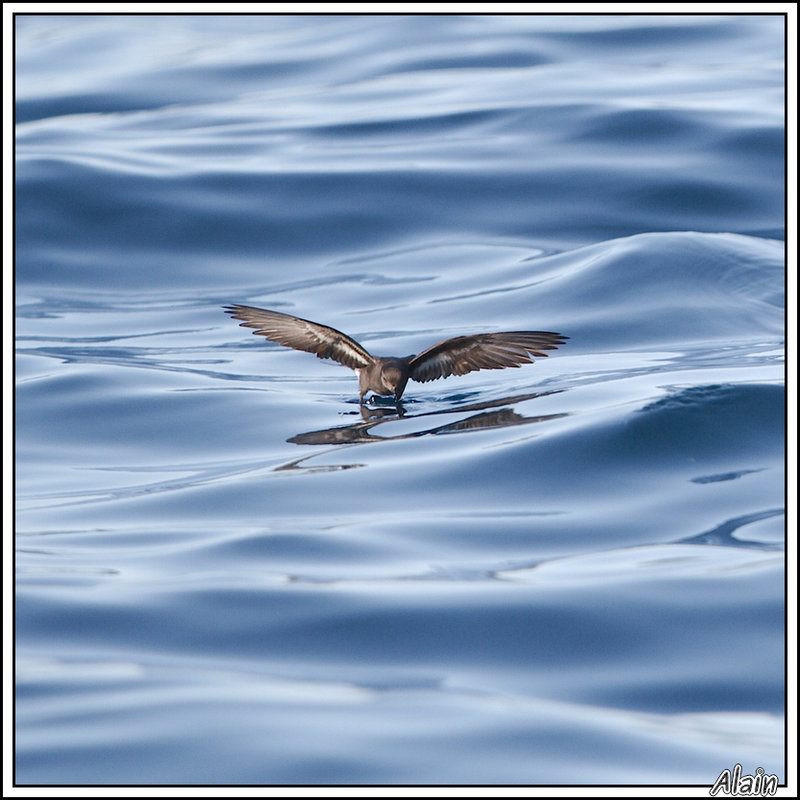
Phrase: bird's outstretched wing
(465,354)
(301,334)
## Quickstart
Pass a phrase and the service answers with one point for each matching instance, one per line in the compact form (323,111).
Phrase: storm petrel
(456,356)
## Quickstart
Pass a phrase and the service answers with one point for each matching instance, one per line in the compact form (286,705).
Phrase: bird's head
(394,380)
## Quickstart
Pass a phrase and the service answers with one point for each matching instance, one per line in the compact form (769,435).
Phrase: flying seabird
(456,356)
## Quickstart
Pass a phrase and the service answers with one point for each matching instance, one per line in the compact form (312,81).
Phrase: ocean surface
(230,573)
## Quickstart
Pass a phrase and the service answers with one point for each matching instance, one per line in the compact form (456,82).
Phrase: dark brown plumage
(456,356)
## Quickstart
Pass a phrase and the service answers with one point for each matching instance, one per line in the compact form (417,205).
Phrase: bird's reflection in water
(491,414)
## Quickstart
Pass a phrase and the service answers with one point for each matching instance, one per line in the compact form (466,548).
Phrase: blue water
(566,573)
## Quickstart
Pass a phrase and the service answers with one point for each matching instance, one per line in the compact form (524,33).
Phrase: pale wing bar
(465,354)
(302,334)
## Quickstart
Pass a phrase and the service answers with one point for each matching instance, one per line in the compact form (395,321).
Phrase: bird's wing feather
(465,354)
(302,334)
